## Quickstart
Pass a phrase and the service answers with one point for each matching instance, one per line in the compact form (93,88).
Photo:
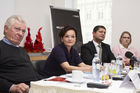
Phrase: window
(92,13)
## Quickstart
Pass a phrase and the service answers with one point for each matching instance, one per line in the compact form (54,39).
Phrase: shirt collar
(124,47)
(95,43)
(9,43)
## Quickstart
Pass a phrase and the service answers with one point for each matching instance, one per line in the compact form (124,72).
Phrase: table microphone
(132,58)
(130,55)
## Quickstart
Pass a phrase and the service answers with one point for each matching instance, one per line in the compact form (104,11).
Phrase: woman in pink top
(125,41)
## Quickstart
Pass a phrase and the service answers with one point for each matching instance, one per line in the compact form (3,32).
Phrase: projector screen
(62,17)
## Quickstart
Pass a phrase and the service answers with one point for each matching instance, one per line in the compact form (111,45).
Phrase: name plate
(132,79)
(135,77)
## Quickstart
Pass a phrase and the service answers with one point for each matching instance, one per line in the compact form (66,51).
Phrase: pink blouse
(119,49)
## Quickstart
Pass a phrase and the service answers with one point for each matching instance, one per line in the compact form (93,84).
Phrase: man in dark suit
(96,46)
(16,70)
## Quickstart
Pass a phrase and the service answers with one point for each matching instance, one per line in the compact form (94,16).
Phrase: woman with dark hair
(125,41)
(64,58)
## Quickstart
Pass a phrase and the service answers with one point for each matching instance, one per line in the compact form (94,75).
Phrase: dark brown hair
(96,28)
(65,29)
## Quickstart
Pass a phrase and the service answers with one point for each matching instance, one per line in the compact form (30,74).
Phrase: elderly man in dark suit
(96,46)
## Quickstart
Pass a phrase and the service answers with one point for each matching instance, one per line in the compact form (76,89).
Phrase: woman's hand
(87,69)
(82,66)
(125,63)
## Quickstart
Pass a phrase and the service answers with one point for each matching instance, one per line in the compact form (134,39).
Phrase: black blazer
(88,50)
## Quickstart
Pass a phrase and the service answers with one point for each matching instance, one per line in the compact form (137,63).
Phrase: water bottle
(119,61)
(96,68)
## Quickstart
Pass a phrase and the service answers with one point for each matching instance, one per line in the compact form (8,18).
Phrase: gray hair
(10,21)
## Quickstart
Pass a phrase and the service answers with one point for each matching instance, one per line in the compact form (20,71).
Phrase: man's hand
(19,88)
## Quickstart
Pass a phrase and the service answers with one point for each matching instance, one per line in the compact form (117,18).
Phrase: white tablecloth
(43,86)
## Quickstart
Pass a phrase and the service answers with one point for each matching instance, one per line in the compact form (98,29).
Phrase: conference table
(51,86)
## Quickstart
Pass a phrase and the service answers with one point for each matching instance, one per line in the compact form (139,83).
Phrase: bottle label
(98,66)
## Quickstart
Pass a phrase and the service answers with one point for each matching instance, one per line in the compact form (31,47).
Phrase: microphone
(132,58)
(130,55)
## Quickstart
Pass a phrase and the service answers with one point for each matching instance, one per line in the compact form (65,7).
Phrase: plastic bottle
(119,61)
(113,68)
(96,68)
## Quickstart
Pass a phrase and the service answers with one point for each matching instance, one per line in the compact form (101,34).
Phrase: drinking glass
(105,72)
(113,68)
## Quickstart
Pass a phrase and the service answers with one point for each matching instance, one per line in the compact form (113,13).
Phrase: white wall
(7,8)
(126,17)
(36,14)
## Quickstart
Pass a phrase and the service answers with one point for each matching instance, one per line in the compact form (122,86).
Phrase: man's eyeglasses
(126,37)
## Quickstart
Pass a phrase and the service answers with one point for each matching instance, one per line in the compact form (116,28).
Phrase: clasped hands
(19,88)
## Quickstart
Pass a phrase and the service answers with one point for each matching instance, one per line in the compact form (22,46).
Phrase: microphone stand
(131,64)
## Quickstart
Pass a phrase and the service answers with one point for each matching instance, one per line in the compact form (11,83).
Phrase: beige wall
(126,17)
(36,13)
(7,8)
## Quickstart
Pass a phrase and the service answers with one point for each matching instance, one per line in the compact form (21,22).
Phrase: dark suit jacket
(88,50)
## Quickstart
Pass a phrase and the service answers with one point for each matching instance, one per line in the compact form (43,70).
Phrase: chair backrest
(39,65)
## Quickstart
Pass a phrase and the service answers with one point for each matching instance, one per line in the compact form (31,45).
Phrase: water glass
(105,72)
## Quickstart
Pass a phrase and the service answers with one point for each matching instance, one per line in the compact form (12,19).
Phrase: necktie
(100,52)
